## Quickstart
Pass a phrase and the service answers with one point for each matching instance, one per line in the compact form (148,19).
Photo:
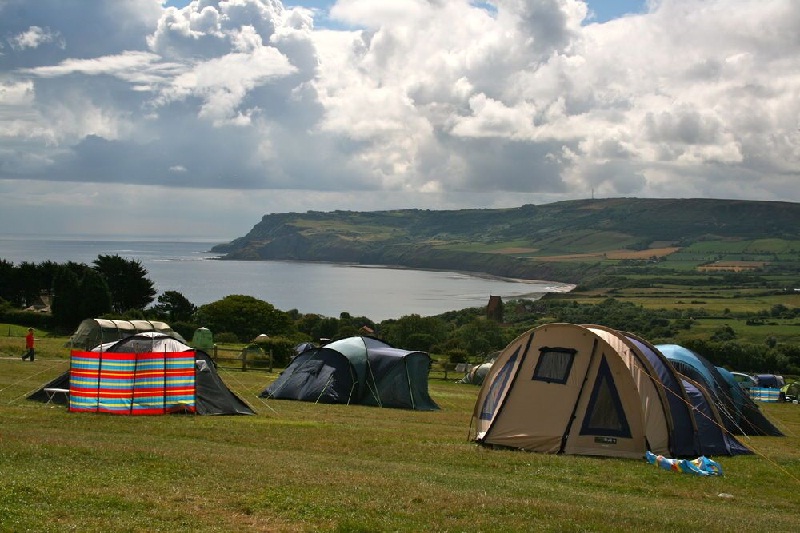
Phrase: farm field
(713,301)
(298,466)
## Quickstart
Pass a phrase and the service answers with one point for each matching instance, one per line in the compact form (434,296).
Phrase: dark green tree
(28,280)
(9,289)
(47,273)
(174,306)
(421,332)
(246,317)
(778,310)
(723,333)
(481,336)
(95,298)
(348,325)
(309,324)
(127,280)
(317,326)
(65,306)
(771,341)
(327,328)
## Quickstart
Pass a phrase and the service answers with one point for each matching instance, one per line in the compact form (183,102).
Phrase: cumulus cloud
(33,37)
(410,103)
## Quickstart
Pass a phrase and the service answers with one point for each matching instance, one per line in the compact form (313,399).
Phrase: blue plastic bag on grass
(702,466)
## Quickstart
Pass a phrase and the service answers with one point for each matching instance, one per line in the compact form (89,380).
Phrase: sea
(328,289)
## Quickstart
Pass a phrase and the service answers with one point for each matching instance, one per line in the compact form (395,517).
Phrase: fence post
(270,360)
(244,360)
(216,354)
(445,364)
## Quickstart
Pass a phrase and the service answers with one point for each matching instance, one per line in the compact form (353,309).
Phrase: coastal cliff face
(564,241)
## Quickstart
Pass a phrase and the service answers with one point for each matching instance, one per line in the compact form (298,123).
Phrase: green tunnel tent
(359,370)
(92,332)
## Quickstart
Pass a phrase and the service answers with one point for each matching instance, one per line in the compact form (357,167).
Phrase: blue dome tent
(740,414)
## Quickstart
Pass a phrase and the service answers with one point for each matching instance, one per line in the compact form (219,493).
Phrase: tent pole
(69,399)
(324,389)
(133,384)
(99,372)
(373,386)
(164,384)
(194,383)
(408,382)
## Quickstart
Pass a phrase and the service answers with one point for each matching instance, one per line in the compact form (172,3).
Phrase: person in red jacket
(31,353)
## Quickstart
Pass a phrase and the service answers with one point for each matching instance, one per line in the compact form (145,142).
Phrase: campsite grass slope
(298,466)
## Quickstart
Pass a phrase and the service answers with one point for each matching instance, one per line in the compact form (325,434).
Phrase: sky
(195,119)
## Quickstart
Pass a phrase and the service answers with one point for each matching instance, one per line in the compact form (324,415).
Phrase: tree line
(74,291)
(115,287)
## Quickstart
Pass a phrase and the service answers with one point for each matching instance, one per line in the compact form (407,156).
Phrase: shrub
(25,318)
(256,357)
(184,329)
(282,350)
(226,337)
(456,356)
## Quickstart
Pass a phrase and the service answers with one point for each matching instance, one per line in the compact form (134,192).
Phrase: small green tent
(203,339)
(791,391)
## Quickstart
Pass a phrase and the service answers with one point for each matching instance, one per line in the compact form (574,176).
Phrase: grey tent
(769,380)
(95,331)
(211,395)
(476,374)
(360,370)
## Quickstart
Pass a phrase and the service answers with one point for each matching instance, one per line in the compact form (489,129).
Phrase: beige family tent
(591,390)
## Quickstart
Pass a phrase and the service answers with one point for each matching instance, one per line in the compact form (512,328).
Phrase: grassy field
(298,466)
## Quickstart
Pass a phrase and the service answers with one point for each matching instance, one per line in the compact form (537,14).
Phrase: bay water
(328,289)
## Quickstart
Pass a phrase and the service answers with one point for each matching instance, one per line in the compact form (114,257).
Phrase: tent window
(554,365)
(499,383)
(605,415)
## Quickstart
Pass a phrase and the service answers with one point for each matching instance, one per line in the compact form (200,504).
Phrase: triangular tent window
(498,386)
(605,415)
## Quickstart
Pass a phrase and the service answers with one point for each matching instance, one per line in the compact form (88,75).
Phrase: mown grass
(298,466)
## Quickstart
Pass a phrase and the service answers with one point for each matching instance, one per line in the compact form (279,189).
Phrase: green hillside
(577,241)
